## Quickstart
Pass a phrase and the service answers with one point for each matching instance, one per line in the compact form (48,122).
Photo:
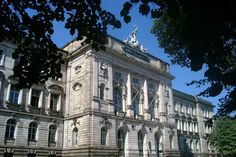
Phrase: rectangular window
(53,101)
(135,82)
(14,94)
(35,98)
(117,75)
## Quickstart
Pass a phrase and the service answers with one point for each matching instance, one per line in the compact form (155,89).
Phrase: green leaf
(127,19)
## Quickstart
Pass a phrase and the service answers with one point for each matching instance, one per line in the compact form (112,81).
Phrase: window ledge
(9,141)
(52,144)
(32,142)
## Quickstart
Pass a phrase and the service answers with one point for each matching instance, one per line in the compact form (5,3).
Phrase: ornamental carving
(105,123)
(77,86)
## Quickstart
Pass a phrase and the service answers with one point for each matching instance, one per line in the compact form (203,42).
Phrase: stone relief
(77,86)
(104,69)
(105,123)
(166,92)
(75,122)
(78,69)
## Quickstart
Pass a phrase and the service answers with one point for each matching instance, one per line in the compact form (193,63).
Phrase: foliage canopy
(193,33)
(223,136)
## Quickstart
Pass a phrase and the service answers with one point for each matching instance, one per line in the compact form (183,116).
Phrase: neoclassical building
(117,102)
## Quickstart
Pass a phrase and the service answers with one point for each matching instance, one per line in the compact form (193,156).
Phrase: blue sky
(182,75)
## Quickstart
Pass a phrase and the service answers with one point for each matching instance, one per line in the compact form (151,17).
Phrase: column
(20,97)
(40,105)
(110,91)
(124,97)
(161,103)
(49,98)
(30,95)
(171,105)
(130,112)
(59,103)
(8,92)
(145,103)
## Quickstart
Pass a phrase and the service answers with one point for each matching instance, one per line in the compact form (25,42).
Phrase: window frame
(117,98)
(35,103)
(140,143)
(14,94)
(52,134)
(75,135)
(104,132)
(10,129)
(32,131)
(54,100)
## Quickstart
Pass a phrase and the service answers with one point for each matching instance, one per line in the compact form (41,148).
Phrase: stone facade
(117,102)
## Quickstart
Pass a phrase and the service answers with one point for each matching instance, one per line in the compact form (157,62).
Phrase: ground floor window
(6,154)
(140,143)
(31,155)
(121,142)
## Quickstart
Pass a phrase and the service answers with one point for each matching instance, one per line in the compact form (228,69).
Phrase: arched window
(75,137)
(32,131)
(52,134)
(171,141)
(159,143)
(140,143)
(197,145)
(135,102)
(117,97)
(103,136)
(191,144)
(101,91)
(10,129)
(121,142)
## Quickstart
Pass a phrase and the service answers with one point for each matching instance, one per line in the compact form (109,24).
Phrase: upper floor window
(135,102)
(14,94)
(52,134)
(117,76)
(75,136)
(10,129)
(35,98)
(101,91)
(32,131)
(151,101)
(54,101)
(103,136)
(135,82)
(117,98)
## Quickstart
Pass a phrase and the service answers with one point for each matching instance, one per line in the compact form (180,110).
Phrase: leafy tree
(223,136)
(29,24)
(195,33)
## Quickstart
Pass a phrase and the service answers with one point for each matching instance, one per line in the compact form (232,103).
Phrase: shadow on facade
(185,150)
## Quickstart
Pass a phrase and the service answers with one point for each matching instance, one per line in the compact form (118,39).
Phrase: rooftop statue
(133,40)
